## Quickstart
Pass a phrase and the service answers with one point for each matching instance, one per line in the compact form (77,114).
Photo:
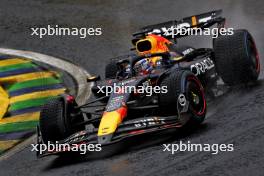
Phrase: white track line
(79,74)
(17,148)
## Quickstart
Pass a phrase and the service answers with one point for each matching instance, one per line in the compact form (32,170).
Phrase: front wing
(125,130)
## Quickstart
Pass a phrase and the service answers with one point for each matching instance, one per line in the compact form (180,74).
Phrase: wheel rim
(254,56)
(195,96)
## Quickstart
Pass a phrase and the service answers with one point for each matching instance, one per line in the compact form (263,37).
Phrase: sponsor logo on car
(202,67)
(149,121)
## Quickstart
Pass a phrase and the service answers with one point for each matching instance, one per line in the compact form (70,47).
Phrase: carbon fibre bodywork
(126,114)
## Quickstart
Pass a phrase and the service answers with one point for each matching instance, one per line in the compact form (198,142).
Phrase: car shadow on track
(125,147)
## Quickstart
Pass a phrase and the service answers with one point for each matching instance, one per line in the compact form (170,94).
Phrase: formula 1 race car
(161,86)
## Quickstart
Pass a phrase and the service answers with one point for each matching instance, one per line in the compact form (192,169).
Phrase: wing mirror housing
(93,78)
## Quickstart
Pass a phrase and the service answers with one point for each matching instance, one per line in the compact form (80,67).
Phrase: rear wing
(202,21)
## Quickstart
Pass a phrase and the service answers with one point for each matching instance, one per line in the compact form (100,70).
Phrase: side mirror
(93,78)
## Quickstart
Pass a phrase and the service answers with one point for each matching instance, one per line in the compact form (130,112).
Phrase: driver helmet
(143,67)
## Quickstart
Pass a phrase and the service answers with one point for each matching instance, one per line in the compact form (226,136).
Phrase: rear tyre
(236,58)
(111,70)
(185,96)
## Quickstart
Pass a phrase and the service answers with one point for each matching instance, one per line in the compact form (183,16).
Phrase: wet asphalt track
(234,118)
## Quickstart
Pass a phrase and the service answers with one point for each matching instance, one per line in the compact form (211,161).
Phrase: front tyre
(55,123)
(185,96)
